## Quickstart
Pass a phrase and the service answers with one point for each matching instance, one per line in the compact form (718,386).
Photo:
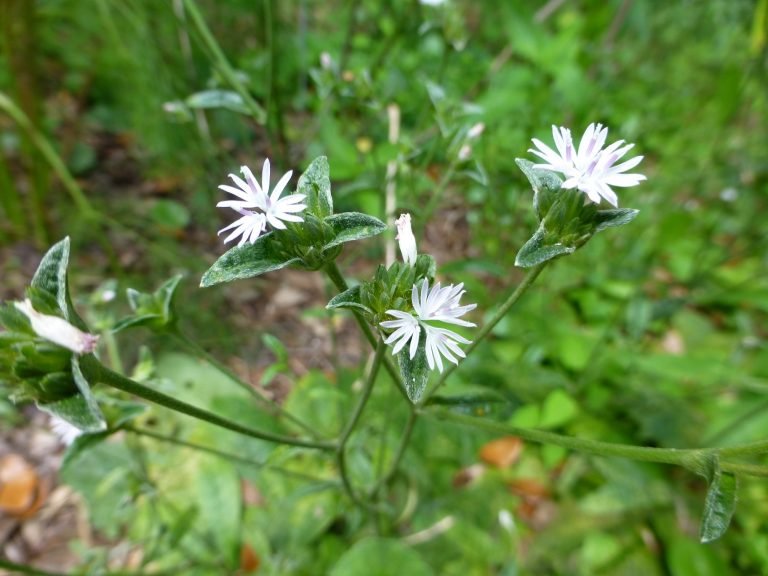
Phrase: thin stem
(221,62)
(220,453)
(352,423)
(694,459)
(333,272)
(399,453)
(50,155)
(96,372)
(533,273)
(273,406)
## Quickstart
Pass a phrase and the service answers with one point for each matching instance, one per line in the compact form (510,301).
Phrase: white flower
(438,304)
(406,239)
(66,432)
(257,207)
(475,131)
(591,169)
(58,330)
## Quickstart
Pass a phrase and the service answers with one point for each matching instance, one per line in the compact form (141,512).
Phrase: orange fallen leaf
(249,560)
(18,486)
(502,453)
(529,488)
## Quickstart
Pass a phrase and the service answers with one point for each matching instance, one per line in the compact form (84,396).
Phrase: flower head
(58,330)
(258,207)
(431,305)
(592,168)
(406,239)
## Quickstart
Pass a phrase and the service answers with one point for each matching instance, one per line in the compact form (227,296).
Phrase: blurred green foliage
(653,334)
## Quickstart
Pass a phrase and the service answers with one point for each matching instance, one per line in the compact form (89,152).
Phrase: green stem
(533,273)
(694,459)
(50,155)
(96,372)
(333,272)
(221,62)
(399,453)
(273,406)
(349,428)
(220,453)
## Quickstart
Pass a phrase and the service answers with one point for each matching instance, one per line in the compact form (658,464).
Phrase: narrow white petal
(265,177)
(281,185)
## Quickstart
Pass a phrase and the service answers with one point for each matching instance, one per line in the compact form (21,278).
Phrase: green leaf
(614,218)
(538,250)
(220,505)
(316,184)
(154,309)
(415,372)
(81,443)
(381,557)
(350,226)
(51,276)
(247,261)
(545,186)
(719,503)
(211,99)
(349,299)
(170,214)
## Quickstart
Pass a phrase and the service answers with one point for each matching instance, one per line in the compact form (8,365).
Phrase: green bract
(154,310)
(389,289)
(566,220)
(38,370)
(308,245)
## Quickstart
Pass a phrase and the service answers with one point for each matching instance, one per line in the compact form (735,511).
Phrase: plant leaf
(350,226)
(225,99)
(316,184)
(349,299)
(719,503)
(376,556)
(51,276)
(246,261)
(613,218)
(415,372)
(545,186)
(537,250)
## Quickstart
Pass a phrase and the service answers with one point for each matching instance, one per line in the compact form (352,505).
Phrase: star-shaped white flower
(591,168)
(258,207)
(436,304)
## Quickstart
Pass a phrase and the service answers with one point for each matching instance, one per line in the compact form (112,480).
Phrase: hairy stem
(96,372)
(694,459)
(269,403)
(222,64)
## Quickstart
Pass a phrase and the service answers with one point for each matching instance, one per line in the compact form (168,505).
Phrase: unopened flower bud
(406,239)
(465,152)
(58,330)
(475,131)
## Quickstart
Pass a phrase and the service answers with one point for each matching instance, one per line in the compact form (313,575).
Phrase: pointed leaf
(349,299)
(719,504)
(246,261)
(536,250)
(226,99)
(51,276)
(316,184)
(350,226)
(415,372)
(545,186)
(613,218)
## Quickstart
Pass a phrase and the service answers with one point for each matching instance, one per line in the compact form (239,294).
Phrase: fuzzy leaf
(349,299)
(719,504)
(246,261)
(538,250)
(350,226)
(545,186)
(613,218)
(154,309)
(415,372)
(225,99)
(51,277)
(316,184)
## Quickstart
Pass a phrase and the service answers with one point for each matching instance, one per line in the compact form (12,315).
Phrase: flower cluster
(258,207)
(431,305)
(592,169)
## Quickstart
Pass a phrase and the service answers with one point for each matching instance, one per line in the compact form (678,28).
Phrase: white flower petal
(58,330)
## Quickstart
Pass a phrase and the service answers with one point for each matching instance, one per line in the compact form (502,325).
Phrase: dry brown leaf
(503,452)
(249,560)
(19,486)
